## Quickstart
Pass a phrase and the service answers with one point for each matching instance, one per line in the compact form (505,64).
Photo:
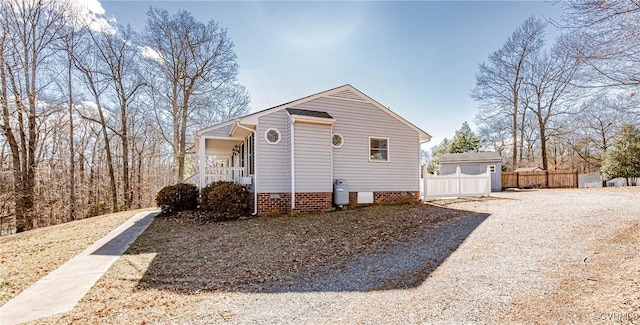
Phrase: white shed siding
(273,160)
(357,121)
(475,169)
(222,131)
(312,158)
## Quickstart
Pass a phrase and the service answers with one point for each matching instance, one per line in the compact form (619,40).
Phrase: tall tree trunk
(522,131)
(514,156)
(111,169)
(16,159)
(72,165)
(183,143)
(126,188)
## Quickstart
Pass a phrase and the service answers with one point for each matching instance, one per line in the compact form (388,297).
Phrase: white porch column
(202,161)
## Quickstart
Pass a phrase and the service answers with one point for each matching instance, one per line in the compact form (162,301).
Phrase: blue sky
(417,57)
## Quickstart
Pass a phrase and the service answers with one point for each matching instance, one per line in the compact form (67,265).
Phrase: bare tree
(549,77)
(499,81)
(29,29)
(88,63)
(117,51)
(189,61)
(66,48)
(610,38)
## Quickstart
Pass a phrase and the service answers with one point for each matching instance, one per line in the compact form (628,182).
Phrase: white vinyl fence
(457,185)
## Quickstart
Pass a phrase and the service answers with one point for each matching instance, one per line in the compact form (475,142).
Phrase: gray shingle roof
(306,112)
(470,157)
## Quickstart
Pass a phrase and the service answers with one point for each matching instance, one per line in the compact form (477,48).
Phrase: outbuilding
(474,163)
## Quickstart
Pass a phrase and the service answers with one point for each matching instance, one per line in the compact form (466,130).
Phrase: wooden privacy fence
(541,179)
(456,185)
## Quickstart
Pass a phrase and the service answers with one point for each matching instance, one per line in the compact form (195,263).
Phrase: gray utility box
(340,192)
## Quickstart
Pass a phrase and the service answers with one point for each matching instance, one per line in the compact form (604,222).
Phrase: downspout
(203,161)
(293,167)
(255,168)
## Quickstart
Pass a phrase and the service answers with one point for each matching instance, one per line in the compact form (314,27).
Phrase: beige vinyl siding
(222,131)
(312,164)
(273,160)
(356,121)
(348,94)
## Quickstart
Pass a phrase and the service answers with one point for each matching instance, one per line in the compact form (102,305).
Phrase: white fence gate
(456,185)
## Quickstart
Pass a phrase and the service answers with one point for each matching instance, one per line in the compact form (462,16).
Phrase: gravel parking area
(544,256)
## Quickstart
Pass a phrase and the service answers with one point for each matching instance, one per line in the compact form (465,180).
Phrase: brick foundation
(353,198)
(396,197)
(314,201)
(276,203)
(390,197)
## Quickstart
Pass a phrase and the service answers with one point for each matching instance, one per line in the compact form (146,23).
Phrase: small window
(337,140)
(378,149)
(272,136)
(492,168)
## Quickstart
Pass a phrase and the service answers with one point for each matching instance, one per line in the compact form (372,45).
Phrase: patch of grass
(26,257)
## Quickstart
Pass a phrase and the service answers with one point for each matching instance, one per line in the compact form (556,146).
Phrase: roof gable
(345,92)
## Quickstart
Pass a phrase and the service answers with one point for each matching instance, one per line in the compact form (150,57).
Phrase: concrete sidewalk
(60,290)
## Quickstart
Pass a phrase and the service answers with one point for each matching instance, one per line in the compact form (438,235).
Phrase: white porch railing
(456,185)
(228,174)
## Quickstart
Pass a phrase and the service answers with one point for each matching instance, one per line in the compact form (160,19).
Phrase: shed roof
(470,157)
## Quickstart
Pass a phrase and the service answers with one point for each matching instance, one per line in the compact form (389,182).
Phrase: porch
(225,153)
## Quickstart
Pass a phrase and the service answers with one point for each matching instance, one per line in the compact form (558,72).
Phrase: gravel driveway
(540,256)
(560,256)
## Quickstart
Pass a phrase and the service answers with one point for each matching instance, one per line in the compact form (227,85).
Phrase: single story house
(473,163)
(291,154)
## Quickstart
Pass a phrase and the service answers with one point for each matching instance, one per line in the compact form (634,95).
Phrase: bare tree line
(560,105)
(96,116)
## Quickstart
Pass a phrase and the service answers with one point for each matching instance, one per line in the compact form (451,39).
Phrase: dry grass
(26,257)
(176,262)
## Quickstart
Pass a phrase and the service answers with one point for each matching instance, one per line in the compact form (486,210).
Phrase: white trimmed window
(337,140)
(272,136)
(378,149)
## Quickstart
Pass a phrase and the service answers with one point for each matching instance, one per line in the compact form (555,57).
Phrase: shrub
(225,200)
(175,198)
(96,209)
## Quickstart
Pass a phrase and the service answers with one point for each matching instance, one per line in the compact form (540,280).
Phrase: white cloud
(93,6)
(91,13)
(151,53)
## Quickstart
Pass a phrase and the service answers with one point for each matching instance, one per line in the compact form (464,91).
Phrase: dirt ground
(539,256)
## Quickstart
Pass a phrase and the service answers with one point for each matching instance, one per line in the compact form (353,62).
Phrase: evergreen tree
(436,151)
(623,158)
(465,140)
